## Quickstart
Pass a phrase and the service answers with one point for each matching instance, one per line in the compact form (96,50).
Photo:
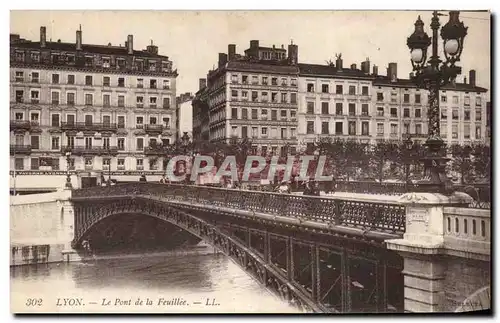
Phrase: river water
(147,283)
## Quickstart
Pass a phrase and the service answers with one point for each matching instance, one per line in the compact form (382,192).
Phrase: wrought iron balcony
(80,126)
(155,150)
(20,124)
(153,128)
(20,149)
(86,150)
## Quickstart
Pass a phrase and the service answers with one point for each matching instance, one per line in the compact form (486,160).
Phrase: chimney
(79,39)
(222,59)
(375,70)
(293,54)
(254,48)
(353,66)
(203,83)
(472,77)
(231,51)
(130,44)
(392,71)
(43,37)
(152,48)
(365,66)
(338,62)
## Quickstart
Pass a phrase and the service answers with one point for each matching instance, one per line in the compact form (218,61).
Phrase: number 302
(34,302)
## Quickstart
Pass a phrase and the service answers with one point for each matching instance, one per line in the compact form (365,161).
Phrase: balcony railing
(20,124)
(88,126)
(20,149)
(153,127)
(86,150)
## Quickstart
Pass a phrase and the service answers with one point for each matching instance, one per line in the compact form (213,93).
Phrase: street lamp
(185,143)
(433,76)
(68,177)
(408,144)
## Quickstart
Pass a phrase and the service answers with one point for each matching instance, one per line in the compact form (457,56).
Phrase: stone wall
(463,278)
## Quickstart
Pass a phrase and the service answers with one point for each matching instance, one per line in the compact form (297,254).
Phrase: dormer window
(165,66)
(20,56)
(35,56)
(152,66)
(70,59)
(55,58)
(88,60)
(139,64)
(120,62)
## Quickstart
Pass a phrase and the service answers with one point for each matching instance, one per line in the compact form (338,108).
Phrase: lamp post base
(435,179)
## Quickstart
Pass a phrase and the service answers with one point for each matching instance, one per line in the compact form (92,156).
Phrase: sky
(193,39)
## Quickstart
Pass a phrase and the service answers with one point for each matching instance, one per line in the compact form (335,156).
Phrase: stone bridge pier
(446,251)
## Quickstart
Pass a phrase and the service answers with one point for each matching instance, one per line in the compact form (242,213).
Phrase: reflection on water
(194,278)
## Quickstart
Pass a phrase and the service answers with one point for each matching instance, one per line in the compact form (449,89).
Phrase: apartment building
(103,104)
(255,96)
(200,112)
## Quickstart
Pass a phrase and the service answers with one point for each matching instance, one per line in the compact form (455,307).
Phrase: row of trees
(353,160)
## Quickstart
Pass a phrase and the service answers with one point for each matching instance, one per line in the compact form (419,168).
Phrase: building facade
(184,115)
(102,104)
(201,121)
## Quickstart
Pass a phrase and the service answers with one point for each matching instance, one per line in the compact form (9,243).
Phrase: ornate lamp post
(68,177)
(433,76)
(408,145)
(185,144)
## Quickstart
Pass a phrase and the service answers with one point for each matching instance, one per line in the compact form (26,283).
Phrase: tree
(461,162)
(382,153)
(481,161)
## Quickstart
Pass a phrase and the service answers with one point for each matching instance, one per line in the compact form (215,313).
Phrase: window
(255,96)
(244,79)
(380,128)
(70,141)
(364,90)
(106,62)
(35,165)
(106,162)
(234,113)
(324,128)
(88,120)
(352,109)
(35,142)
(310,87)
(152,120)
(264,96)
(35,57)
(380,96)
(352,90)
(121,122)
(106,100)
(139,144)
(88,142)
(139,122)
(19,116)
(352,127)
(234,93)
(339,109)
(478,101)
(121,64)
(294,82)
(274,81)
(406,98)
(55,143)
(88,80)
(166,103)
(274,115)
(380,111)
(55,78)
(406,128)
(70,98)
(234,78)
(394,97)
(88,162)
(166,84)
(478,132)
(255,132)
(264,80)
(418,128)
(70,119)
(121,101)
(140,101)
(466,114)
(152,102)
(293,98)
(152,84)
(325,108)
(418,113)
(443,98)
(293,133)
(19,96)
(106,81)
(140,83)
(310,107)
(466,131)
(466,100)
(339,128)
(264,131)
(339,89)
(394,129)
(244,132)
(35,77)
(121,143)
(478,114)
(274,97)
(55,98)
(34,117)
(121,82)
(284,81)
(244,114)
(89,98)
(55,120)
(455,99)
(283,98)
(19,163)
(365,128)
(19,76)
(324,88)
(394,112)
(364,109)
(293,114)
(254,114)
(120,163)
(264,113)
(406,113)
(244,95)
(310,127)
(417,98)
(454,114)
(454,131)
(444,113)
(106,120)
(255,79)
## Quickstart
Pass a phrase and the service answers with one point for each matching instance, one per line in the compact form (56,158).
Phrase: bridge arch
(479,300)
(245,258)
